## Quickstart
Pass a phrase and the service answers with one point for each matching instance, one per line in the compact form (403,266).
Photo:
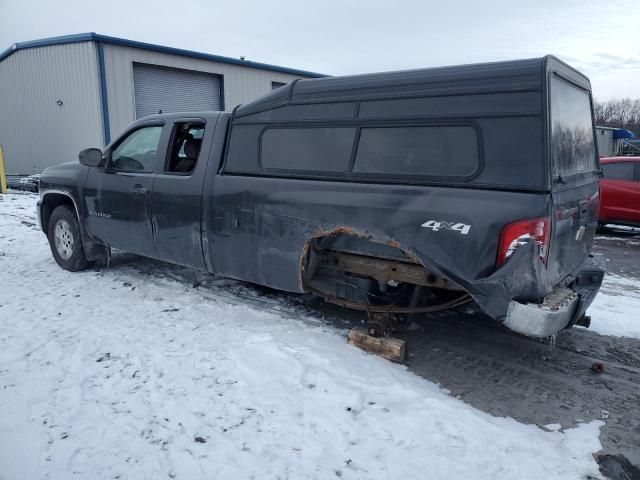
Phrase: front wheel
(65,240)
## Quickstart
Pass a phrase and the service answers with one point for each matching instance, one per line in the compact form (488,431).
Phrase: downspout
(103,94)
(222,105)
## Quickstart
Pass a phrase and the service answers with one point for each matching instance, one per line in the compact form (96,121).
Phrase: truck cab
(147,199)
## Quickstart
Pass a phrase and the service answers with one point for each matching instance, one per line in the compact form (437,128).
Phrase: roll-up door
(173,90)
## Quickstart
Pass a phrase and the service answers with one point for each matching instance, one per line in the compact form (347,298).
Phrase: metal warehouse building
(60,95)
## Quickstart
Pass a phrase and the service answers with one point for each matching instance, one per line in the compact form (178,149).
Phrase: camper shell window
(426,151)
(573,148)
(313,149)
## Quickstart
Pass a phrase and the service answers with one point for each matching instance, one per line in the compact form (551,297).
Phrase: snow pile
(623,228)
(130,373)
(616,309)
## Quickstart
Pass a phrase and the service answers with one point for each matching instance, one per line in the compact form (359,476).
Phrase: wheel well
(50,202)
(359,272)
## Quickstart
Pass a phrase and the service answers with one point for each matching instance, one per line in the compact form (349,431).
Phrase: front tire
(65,240)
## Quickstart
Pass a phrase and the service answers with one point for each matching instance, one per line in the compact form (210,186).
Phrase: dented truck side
(399,192)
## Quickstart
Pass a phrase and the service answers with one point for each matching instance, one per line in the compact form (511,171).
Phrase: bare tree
(622,113)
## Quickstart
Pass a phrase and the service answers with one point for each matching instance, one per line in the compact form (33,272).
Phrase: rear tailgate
(575,177)
(574,223)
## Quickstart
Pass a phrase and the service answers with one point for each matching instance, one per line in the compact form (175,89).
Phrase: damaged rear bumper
(550,316)
(561,308)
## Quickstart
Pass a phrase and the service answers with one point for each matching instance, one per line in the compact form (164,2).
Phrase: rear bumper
(560,309)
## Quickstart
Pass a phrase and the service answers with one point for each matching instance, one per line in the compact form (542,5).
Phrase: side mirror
(91,157)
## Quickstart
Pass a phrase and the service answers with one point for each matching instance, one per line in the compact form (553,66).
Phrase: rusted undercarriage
(379,278)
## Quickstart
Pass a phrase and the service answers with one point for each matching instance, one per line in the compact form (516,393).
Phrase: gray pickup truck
(402,192)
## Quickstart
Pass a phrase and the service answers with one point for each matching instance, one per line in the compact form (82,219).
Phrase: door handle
(139,190)
(584,211)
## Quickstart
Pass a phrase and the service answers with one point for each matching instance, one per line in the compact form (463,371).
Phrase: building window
(275,85)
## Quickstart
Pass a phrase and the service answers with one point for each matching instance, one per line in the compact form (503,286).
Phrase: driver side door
(117,197)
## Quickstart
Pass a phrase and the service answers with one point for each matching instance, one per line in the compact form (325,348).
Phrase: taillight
(518,233)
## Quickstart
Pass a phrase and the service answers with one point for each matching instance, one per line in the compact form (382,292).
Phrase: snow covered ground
(616,309)
(132,373)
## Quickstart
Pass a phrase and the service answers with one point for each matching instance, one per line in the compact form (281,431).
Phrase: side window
(137,151)
(424,151)
(185,148)
(618,171)
(308,149)
(275,85)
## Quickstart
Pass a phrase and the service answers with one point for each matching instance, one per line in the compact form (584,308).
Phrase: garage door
(173,90)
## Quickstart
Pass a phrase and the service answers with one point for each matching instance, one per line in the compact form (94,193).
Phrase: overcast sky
(601,38)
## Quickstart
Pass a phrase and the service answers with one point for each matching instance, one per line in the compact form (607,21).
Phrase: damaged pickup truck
(403,192)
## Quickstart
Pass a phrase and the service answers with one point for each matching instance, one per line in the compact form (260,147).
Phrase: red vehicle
(620,191)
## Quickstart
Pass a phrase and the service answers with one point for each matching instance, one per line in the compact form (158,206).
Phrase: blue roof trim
(622,133)
(92,36)
(79,37)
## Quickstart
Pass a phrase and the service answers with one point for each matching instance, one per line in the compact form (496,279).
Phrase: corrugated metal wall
(605,141)
(35,131)
(241,84)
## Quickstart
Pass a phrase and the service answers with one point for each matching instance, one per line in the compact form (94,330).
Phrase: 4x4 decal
(437,225)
